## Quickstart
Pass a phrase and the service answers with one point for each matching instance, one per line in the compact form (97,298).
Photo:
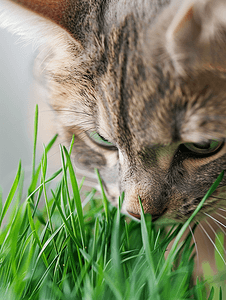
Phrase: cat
(142,86)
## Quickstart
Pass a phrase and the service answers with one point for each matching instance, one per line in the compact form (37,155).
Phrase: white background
(15,107)
(19,93)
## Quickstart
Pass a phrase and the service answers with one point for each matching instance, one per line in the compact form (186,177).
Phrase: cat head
(142,86)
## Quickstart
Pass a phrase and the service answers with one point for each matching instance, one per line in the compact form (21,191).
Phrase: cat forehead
(117,10)
(162,109)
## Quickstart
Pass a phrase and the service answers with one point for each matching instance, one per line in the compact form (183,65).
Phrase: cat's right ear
(196,37)
(38,20)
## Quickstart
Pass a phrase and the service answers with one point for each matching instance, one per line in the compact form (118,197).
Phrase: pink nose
(137,216)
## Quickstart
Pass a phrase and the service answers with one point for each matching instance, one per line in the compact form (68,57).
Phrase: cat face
(165,141)
(145,98)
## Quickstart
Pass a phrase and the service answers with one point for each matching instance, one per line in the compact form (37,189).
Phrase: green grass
(66,251)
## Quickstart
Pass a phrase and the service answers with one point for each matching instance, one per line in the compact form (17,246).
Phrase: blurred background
(15,93)
(18,96)
(19,93)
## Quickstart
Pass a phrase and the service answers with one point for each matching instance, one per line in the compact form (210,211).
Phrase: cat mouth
(136,216)
(154,217)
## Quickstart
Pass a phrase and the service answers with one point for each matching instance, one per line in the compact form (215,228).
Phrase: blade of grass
(47,271)
(65,191)
(44,168)
(0,201)
(74,238)
(71,145)
(148,253)
(35,140)
(41,253)
(25,245)
(34,180)
(105,201)
(211,294)
(13,242)
(75,274)
(113,286)
(35,234)
(198,290)
(117,271)
(11,193)
(81,183)
(77,199)
(219,242)
(33,193)
(220,294)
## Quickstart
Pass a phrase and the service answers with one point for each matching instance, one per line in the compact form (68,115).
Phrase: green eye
(204,147)
(99,139)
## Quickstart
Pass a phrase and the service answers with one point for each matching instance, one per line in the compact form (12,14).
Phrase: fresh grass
(66,251)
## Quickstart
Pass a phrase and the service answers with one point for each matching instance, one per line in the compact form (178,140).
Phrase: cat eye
(208,147)
(98,139)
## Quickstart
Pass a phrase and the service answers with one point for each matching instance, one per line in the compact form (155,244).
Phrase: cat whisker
(82,123)
(215,220)
(204,238)
(220,215)
(83,132)
(212,242)
(215,233)
(74,111)
(215,197)
(63,110)
(196,248)
(222,209)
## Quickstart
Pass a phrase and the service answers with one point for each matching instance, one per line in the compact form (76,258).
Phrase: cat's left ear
(196,37)
(41,19)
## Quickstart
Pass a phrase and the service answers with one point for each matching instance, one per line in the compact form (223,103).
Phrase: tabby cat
(142,86)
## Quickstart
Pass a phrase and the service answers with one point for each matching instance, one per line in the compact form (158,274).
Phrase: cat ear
(38,19)
(196,37)
(53,10)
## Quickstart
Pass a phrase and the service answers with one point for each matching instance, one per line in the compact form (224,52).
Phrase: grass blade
(56,197)
(77,198)
(146,242)
(35,234)
(35,140)
(105,201)
(0,201)
(11,193)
